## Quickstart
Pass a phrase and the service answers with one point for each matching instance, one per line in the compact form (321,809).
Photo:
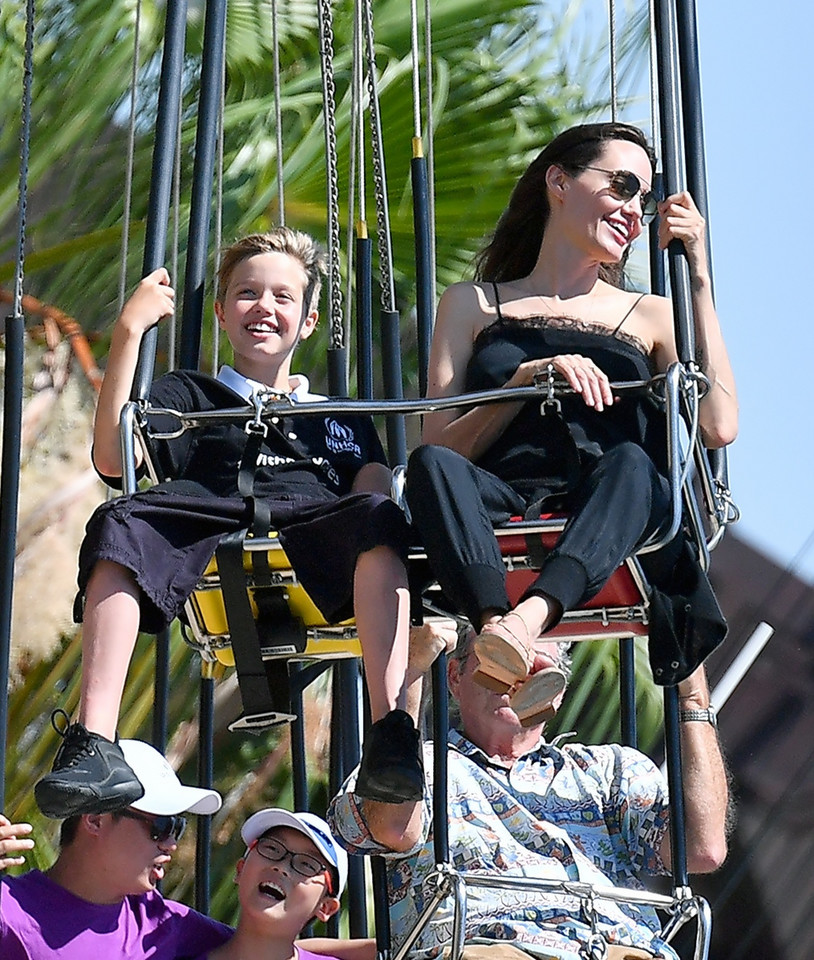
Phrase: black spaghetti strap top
(529,453)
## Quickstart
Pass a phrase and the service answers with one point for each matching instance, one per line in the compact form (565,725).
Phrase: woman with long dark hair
(548,294)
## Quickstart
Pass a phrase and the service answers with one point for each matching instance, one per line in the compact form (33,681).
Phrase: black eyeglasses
(624,185)
(162,828)
(303,863)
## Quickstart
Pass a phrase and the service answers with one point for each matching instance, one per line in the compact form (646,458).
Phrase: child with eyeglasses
(293,872)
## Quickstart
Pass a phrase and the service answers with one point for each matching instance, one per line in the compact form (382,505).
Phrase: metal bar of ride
(425,307)
(695,156)
(200,213)
(14,374)
(666,59)
(166,129)
(364,315)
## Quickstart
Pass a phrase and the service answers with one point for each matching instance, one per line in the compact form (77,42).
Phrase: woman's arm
(461,314)
(152,300)
(681,220)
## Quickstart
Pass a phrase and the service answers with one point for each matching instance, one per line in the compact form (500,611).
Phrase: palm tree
(499,80)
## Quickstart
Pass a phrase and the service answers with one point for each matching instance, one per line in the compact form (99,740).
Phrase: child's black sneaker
(392,767)
(89,775)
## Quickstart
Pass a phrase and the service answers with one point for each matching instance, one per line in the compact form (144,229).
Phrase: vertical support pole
(299,773)
(9,504)
(675,781)
(161,176)
(13,406)
(667,56)
(440,734)
(393,385)
(203,838)
(627,683)
(364,314)
(162,690)
(206,135)
(423,260)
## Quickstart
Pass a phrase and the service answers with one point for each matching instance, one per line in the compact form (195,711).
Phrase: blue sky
(758,85)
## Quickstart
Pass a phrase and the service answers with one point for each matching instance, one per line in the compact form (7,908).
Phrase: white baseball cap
(312,826)
(164,794)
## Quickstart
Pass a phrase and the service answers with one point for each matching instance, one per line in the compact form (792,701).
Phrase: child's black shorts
(166,536)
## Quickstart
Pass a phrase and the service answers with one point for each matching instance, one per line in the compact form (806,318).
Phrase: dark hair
(68,829)
(515,244)
(295,243)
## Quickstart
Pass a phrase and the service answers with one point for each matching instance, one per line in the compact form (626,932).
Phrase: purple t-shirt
(39,920)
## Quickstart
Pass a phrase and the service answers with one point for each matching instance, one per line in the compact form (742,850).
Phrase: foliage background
(506,76)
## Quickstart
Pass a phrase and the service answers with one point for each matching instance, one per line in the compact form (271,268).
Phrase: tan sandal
(532,700)
(505,653)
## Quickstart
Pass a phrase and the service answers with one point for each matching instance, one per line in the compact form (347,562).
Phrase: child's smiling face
(263,315)
(275,891)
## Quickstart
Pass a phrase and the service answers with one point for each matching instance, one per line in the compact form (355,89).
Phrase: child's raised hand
(151,301)
(13,841)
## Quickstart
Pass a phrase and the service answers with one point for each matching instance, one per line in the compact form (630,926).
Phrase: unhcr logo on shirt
(339,438)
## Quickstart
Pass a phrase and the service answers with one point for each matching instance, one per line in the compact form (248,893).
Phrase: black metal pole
(166,131)
(205,779)
(675,780)
(440,734)
(200,213)
(627,684)
(667,62)
(364,314)
(13,406)
(9,503)
(162,690)
(695,154)
(425,307)
(393,385)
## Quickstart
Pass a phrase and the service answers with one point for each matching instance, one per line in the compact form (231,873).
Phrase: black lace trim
(563,323)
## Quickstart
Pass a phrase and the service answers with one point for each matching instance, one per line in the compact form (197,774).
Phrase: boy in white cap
(99,899)
(293,872)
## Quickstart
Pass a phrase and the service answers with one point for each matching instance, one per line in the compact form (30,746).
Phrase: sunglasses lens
(625,185)
(165,828)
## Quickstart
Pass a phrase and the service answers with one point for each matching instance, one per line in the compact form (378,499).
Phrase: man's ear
(309,324)
(219,313)
(239,869)
(326,907)
(94,823)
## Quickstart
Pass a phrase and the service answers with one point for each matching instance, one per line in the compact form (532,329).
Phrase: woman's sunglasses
(624,185)
(162,828)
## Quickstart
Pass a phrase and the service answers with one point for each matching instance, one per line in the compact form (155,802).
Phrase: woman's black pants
(617,504)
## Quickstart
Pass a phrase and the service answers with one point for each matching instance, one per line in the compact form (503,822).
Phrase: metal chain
(337,327)
(25,151)
(612,47)
(278,112)
(388,293)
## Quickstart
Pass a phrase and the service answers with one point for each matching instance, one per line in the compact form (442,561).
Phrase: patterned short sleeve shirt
(596,814)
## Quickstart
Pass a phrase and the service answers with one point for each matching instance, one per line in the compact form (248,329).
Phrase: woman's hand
(680,219)
(13,842)
(583,376)
(151,301)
